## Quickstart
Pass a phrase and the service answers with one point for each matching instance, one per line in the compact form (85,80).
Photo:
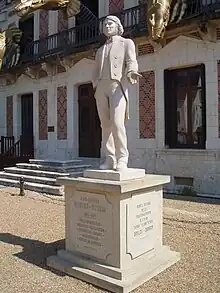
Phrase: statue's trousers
(112,108)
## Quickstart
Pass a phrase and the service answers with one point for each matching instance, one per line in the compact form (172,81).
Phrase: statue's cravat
(108,46)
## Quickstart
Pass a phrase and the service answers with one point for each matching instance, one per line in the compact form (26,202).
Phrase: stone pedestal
(114,230)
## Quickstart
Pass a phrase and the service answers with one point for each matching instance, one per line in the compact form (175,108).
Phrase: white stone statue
(116,66)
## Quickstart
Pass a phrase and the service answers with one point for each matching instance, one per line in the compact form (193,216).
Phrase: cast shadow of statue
(34,251)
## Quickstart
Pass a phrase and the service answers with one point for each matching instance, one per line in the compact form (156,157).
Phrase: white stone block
(114,232)
(127,174)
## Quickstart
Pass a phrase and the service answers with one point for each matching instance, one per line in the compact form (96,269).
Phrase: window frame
(170,104)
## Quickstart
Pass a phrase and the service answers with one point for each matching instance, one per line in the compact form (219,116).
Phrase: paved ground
(32,228)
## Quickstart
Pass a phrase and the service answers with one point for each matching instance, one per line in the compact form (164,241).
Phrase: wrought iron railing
(80,36)
(15,152)
(6,143)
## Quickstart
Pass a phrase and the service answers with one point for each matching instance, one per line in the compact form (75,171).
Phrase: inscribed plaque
(141,234)
(92,224)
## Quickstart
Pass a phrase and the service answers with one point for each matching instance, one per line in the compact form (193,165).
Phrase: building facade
(174,109)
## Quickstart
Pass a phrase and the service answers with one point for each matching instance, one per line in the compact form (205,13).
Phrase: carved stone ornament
(48,68)
(67,63)
(32,72)
(207,32)
(8,78)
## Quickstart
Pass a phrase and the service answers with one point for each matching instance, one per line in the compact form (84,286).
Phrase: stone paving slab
(32,228)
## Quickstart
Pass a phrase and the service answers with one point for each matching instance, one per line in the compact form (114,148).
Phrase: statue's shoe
(107,166)
(121,166)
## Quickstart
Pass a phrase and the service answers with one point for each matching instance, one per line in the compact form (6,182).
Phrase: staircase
(40,175)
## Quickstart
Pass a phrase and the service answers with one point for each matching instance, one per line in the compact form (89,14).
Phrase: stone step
(55,163)
(43,188)
(67,169)
(40,173)
(28,178)
(95,162)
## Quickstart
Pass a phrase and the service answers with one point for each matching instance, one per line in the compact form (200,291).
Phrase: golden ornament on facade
(25,7)
(160,13)
(9,46)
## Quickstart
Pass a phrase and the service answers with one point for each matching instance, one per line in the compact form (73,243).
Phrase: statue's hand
(133,76)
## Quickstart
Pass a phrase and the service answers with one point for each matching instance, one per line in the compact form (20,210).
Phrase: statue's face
(110,28)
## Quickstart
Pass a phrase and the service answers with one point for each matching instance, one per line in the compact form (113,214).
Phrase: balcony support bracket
(48,68)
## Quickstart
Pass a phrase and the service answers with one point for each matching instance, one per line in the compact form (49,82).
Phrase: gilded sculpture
(25,7)
(10,46)
(162,12)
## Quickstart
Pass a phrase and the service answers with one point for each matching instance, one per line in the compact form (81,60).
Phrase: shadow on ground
(198,199)
(34,251)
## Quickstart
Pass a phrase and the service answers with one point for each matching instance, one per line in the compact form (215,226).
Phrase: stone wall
(55,106)
(199,167)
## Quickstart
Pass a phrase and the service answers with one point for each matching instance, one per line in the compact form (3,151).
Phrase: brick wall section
(43,23)
(147,105)
(9,115)
(115,6)
(218,73)
(218,33)
(43,114)
(145,49)
(61,112)
(62,21)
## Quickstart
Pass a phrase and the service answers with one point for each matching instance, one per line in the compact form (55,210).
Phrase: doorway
(27,132)
(89,123)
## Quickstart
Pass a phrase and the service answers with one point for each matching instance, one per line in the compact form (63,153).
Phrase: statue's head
(112,26)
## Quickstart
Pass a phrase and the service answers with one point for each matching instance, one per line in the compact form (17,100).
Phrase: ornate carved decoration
(32,72)
(207,32)
(67,63)
(48,68)
(9,46)
(25,7)
(8,78)
(158,13)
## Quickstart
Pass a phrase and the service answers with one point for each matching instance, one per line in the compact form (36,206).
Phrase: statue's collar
(112,39)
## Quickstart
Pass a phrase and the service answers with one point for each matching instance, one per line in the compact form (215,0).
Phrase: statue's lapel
(102,56)
(117,48)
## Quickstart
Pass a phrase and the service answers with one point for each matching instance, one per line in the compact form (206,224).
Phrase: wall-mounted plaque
(50,128)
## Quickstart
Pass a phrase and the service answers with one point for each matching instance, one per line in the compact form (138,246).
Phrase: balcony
(82,38)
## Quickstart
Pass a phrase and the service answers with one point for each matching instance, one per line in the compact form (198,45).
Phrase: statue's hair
(118,22)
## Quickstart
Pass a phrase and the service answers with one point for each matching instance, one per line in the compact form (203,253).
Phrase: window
(185,123)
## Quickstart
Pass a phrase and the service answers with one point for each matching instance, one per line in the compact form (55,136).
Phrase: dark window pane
(195,78)
(181,78)
(182,114)
(196,112)
(185,111)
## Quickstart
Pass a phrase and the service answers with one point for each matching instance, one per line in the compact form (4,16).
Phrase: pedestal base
(114,230)
(113,279)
